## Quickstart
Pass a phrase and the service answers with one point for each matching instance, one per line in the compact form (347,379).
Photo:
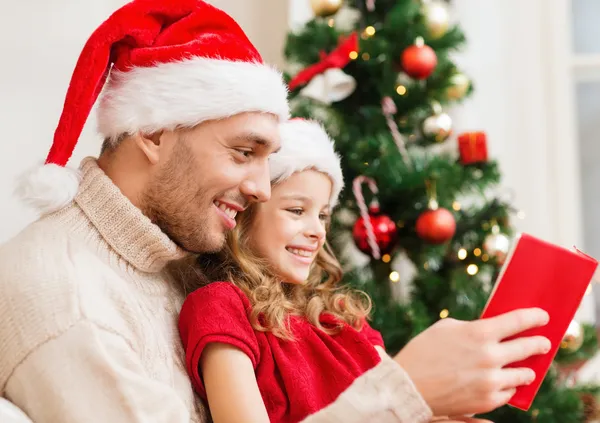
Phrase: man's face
(211,173)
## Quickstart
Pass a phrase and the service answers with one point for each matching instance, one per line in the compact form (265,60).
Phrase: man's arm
(88,374)
(383,394)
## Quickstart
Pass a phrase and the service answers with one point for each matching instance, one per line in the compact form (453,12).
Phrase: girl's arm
(231,386)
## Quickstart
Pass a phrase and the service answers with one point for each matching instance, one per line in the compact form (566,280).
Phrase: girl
(280,339)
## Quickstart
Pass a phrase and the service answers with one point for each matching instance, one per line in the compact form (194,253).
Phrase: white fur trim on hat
(48,188)
(306,145)
(185,93)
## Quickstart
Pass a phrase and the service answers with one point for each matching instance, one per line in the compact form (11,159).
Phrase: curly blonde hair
(273,301)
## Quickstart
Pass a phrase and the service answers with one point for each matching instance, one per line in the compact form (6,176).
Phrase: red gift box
(472,147)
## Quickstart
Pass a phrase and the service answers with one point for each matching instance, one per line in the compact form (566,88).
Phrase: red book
(539,274)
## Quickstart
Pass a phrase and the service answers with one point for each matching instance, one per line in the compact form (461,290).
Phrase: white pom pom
(48,188)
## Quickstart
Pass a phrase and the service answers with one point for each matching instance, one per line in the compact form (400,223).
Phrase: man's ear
(150,145)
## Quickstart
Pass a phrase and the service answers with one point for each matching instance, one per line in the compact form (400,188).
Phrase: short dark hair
(110,143)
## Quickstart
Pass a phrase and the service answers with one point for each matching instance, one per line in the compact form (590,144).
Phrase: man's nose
(257,187)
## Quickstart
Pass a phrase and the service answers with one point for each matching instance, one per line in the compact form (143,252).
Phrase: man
(88,314)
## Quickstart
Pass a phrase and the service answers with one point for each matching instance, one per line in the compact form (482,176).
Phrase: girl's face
(289,229)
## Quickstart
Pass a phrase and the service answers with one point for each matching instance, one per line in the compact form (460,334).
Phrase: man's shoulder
(41,252)
(42,238)
(38,295)
(38,275)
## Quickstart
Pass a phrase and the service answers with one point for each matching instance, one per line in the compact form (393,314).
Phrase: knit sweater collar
(122,225)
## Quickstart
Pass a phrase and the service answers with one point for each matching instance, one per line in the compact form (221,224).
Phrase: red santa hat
(306,145)
(160,64)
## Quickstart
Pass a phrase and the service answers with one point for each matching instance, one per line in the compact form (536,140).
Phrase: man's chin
(212,244)
(203,243)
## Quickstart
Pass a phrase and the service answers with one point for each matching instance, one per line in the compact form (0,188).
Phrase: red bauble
(436,226)
(419,61)
(384,230)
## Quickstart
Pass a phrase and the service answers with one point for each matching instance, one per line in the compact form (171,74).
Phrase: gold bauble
(437,19)
(459,85)
(573,339)
(438,126)
(497,245)
(324,8)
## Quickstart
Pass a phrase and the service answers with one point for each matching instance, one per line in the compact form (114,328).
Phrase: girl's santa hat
(306,145)
(168,64)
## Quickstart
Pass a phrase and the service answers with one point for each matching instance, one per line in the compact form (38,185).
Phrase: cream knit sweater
(88,324)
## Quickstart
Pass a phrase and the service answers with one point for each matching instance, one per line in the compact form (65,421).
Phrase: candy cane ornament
(389,110)
(374,233)
(364,211)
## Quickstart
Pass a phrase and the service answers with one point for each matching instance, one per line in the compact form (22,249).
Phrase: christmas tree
(423,202)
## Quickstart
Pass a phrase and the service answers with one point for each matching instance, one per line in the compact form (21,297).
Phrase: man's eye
(245,153)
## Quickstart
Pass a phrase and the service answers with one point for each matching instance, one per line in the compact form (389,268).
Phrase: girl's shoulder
(217,313)
(217,293)
(215,302)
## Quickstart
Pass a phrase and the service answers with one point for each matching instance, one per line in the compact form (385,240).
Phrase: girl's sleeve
(372,335)
(216,313)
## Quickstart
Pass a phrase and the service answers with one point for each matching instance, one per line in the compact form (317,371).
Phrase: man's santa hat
(169,64)
(306,145)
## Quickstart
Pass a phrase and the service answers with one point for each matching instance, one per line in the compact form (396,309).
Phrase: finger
(513,378)
(522,348)
(502,398)
(514,322)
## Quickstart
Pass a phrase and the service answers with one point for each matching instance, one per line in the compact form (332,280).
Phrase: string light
(366,163)
(353,55)
(456,206)
(331,23)
(485,257)
(462,254)
(472,269)
(386,258)
(426,266)
(401,89)
(444,313)
(366,56)
(477,252)
(394,276)
(370,31)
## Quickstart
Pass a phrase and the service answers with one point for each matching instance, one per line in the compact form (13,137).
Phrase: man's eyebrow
(255,138)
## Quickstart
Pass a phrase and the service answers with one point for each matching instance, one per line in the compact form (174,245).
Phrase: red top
(295,378)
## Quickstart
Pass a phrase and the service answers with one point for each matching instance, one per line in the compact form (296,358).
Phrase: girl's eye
(324,216)
(297,212)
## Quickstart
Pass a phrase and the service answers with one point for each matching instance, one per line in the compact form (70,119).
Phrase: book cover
(540,274)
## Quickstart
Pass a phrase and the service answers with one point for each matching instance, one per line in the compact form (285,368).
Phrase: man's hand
(458,366)
(459,420)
